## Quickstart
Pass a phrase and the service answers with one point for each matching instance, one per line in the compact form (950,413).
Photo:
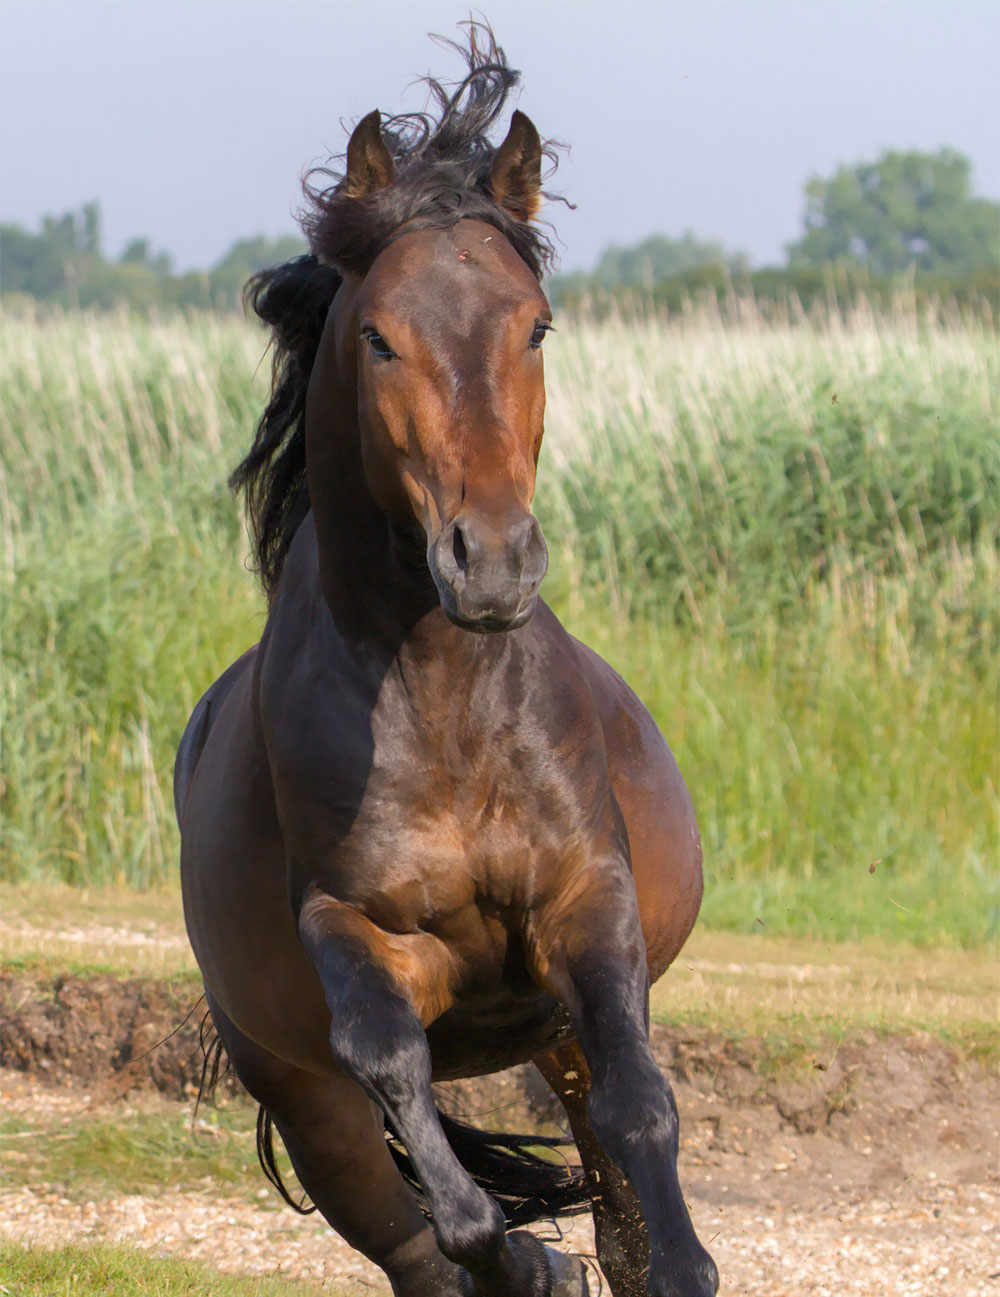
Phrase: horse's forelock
(442,165)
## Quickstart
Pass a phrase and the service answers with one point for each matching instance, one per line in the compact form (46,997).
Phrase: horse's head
(443,336)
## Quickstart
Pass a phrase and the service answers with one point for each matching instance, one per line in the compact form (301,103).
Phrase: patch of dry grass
(740,985)
(807,990)
(132,934)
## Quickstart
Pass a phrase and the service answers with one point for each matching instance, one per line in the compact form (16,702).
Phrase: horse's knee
(633,1108)
(389,1056)
(473,1234)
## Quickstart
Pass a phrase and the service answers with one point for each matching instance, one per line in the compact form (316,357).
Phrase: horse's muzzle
(487,573)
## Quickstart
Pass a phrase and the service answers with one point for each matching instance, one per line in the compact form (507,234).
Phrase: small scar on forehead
(464,255)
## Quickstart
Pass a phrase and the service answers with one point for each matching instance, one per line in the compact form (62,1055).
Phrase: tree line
(64,264)
(904,216)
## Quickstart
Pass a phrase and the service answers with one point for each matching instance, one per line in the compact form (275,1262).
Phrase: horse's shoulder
(631,734)
(611,692)
(197,729)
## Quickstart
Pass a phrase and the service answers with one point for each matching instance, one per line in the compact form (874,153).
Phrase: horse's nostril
(459,550)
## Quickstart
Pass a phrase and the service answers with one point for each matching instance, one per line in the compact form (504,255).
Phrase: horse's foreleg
(619,1225)
(591,955)
(376,984)
(334,1137)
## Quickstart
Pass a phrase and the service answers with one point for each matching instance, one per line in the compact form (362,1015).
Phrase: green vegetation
(784,294)
(906,224)
(903,210)
(139,1152)
(105,1271)
(642,266)
(785,536)
(64,264)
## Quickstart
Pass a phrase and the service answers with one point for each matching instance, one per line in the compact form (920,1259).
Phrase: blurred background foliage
(903,218)
(785,535)
(772,499)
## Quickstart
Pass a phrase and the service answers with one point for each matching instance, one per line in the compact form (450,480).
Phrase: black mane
(442,170)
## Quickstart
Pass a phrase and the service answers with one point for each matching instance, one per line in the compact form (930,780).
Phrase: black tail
(527,1175)
(265,1156)
(527,1185)
(214,1061)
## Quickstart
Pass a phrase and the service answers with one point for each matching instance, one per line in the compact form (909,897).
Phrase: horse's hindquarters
(236,907)
(664,843)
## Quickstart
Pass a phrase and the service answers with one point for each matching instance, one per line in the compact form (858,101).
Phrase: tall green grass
(785,536)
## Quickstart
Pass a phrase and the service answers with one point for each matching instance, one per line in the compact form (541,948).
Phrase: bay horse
(426,834)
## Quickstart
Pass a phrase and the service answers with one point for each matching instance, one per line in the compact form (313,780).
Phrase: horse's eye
(538,336)
(379,345)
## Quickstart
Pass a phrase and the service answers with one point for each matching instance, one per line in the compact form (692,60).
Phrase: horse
(426,833)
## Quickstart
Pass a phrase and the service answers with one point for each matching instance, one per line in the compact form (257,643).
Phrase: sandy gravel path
(828,1213)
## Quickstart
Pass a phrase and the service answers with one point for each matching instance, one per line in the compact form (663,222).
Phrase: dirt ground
(873,1170)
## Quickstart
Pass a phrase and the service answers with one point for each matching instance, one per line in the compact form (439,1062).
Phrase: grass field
(785,537)
(102,1270)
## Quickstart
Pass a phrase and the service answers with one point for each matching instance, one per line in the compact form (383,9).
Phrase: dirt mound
(120,1034)
(873,1092)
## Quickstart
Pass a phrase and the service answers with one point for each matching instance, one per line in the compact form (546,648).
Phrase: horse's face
(449,330)
(445,335)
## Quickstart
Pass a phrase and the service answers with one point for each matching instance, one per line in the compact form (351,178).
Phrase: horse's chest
(427,801)
(429,804)
(447,819)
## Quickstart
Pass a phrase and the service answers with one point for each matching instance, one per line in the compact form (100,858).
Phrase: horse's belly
(471,1044)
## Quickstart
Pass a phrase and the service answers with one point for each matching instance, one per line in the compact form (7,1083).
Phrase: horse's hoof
(569,1275)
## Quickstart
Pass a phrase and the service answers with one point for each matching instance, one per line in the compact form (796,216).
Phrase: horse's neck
(388,624)
(373,573)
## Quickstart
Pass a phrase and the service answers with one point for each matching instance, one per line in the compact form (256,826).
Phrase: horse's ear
(516,173)
(369,162)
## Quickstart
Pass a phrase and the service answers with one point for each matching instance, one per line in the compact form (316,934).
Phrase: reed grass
(785,535)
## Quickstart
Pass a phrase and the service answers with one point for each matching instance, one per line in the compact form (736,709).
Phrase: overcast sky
(191,121)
